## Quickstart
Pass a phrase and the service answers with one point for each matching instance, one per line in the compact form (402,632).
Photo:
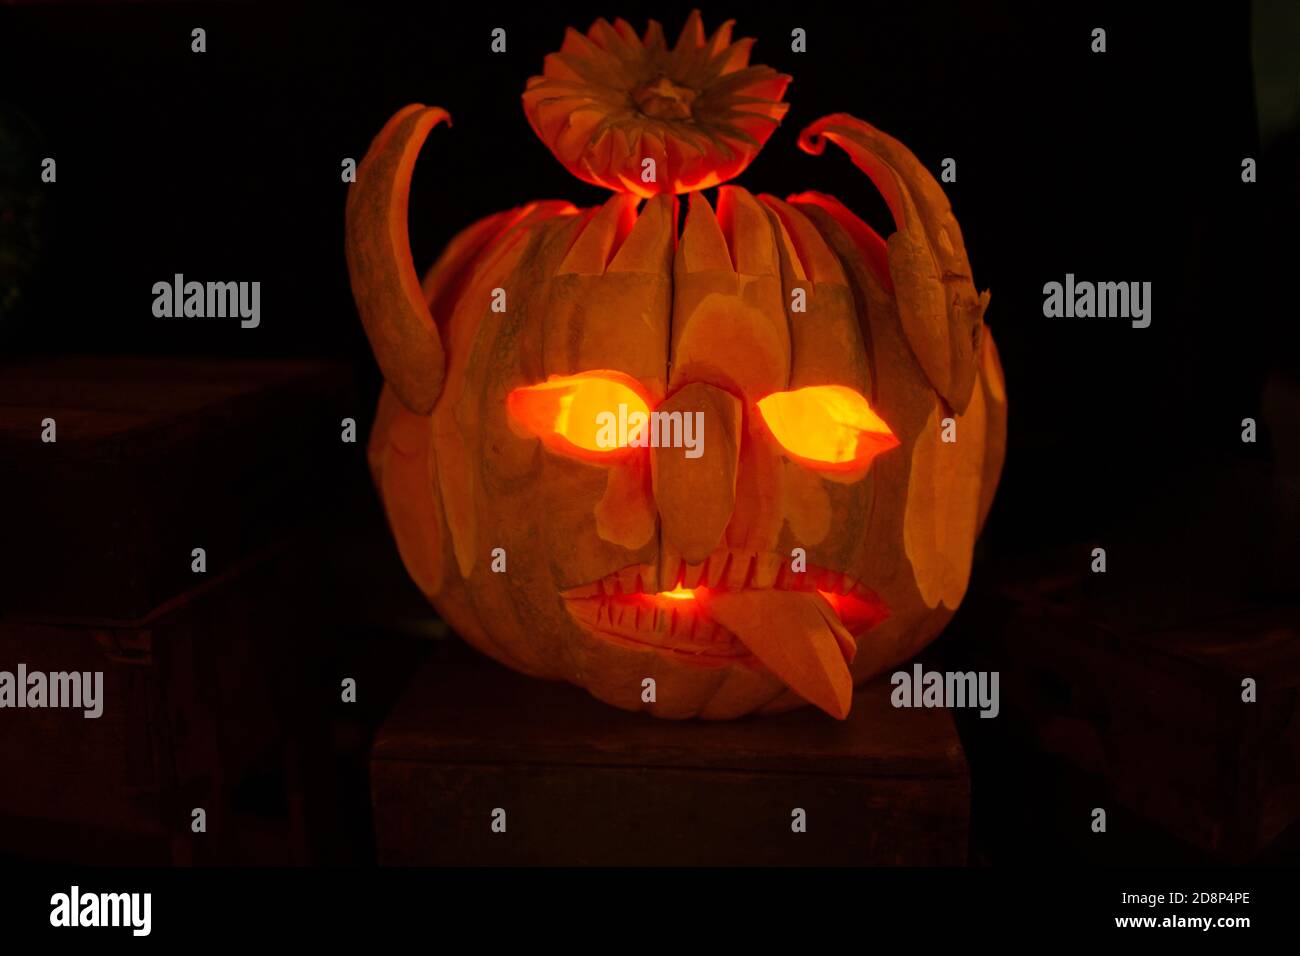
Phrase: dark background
(1123,166)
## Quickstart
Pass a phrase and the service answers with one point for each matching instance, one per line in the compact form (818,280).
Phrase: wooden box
(582,783)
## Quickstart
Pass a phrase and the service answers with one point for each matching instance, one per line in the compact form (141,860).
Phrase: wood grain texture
(583,784)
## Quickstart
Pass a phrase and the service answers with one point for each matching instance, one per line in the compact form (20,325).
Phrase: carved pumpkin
(830,370)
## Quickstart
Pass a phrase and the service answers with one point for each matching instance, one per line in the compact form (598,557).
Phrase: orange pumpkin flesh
(822,426)
(565,413)
(827,426)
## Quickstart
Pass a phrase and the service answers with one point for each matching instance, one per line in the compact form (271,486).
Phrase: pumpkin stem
(664,99)
(633,115)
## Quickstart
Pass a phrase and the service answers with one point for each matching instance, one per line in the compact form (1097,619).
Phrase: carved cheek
(807,505)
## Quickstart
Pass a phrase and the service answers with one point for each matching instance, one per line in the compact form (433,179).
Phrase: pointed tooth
(679,571)
(693,575)
(669,566)
(737,570)
(766,568)
(629,580)
(724,560)
(717,563)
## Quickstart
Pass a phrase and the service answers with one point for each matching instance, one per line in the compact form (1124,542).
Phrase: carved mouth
(635,607)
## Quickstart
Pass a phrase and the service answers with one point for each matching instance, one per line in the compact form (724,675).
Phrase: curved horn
(941,313)
(387,291)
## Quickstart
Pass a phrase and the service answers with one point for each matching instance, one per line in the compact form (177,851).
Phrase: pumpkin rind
(599,548)
(402,332)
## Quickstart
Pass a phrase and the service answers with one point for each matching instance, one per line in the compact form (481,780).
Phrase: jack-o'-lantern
(848,400)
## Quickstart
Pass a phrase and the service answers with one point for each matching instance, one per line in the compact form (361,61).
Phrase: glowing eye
(829,427)
(595,415)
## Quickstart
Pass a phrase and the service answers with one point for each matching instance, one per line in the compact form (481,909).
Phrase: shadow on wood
(582,783)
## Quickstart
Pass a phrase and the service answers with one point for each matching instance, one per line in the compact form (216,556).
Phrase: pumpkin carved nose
(696,495)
